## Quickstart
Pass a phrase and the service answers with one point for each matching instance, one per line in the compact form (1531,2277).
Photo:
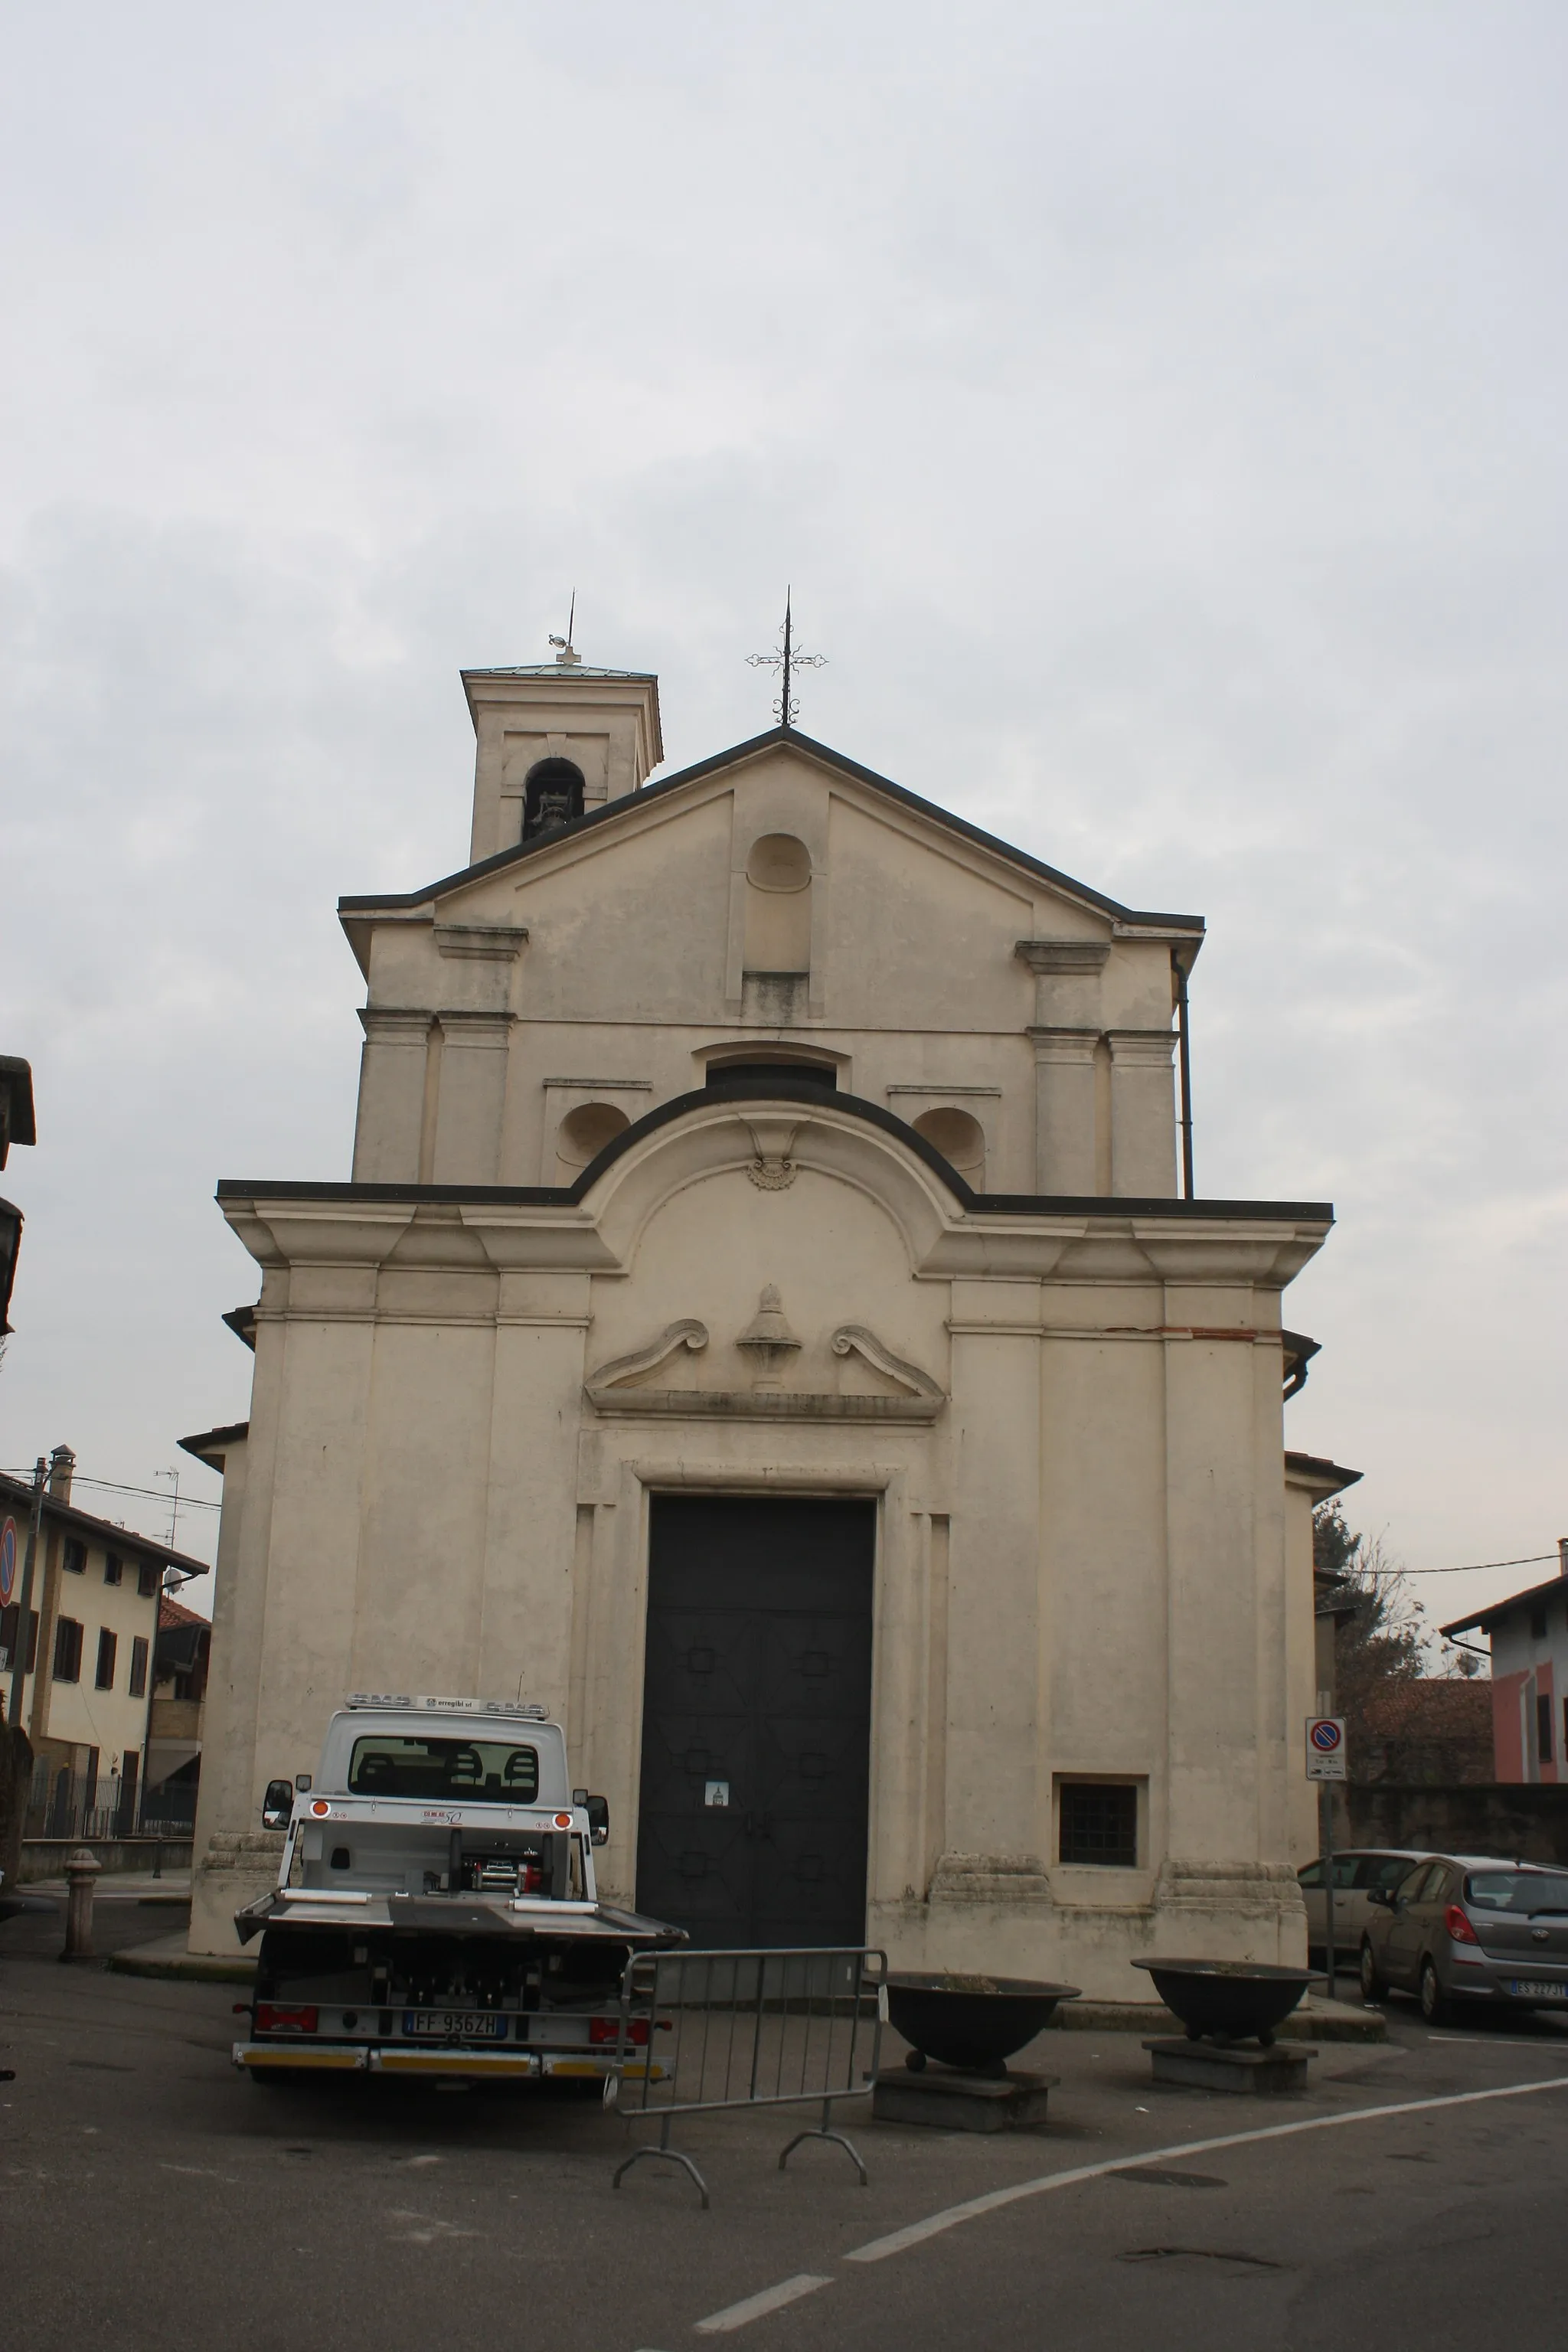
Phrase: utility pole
(24,1598)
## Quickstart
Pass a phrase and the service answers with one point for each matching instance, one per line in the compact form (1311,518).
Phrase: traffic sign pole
(1326,1764)
(1326,1840)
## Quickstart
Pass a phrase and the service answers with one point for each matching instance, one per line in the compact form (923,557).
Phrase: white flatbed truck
(437,1911)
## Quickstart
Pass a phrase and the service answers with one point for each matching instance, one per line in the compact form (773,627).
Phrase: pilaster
(391,1094)
(1143,1113)
(1064,1110)
(474,1047)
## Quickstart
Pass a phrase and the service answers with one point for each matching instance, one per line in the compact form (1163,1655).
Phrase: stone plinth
(1278,2073)
(949,2099)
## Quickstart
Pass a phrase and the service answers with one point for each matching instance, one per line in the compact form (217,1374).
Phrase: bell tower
(555,739)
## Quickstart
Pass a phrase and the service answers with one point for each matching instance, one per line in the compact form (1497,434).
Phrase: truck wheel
(1373,1984)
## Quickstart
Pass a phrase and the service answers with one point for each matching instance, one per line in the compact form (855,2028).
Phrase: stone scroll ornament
(771,1173)
(855,1337)
(772,1169)
(622,1369)
(621,1385)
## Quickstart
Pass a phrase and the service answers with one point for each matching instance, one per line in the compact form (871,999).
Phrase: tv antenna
(786,709)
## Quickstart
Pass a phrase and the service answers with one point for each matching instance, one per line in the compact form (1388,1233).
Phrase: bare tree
(1386,1641)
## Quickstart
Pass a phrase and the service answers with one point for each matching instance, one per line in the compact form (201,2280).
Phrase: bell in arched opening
(552,798)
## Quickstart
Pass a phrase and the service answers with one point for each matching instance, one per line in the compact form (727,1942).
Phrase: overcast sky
(1159,410)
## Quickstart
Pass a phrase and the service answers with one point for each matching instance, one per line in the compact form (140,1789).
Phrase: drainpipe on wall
(62,1465)
(1184,1060)
(152,1697)
(24,1598)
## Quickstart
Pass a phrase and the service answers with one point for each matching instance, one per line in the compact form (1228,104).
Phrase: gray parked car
(1356,1871)
(1464,1927)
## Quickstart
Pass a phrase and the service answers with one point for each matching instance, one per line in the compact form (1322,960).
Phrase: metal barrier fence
(66,1804)
(703,2031)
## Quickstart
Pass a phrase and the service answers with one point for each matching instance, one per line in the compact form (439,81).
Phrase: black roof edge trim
(1022,1204)
(370,903)
(241,1322)
(203,1442)
(1485,1618)
(108,1532)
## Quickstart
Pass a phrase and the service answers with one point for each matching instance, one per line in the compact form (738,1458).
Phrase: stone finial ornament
(768,1339)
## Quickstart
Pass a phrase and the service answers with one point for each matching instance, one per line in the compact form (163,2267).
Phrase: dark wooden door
(758,1687)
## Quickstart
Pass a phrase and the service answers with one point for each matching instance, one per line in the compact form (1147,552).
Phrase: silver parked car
(1357,1872)
(1463,1928)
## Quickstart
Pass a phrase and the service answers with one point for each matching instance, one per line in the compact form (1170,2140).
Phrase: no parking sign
(1326,1747)
(7,1562)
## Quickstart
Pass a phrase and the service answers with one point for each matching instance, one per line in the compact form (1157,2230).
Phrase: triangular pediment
(471,894)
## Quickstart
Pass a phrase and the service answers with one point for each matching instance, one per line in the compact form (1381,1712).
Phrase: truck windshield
(469,1771)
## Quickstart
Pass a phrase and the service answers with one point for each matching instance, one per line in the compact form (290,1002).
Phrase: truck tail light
(1459,1925)
(271,2017)
(609,2029)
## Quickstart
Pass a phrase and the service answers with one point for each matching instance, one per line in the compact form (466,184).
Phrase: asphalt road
(152,2200)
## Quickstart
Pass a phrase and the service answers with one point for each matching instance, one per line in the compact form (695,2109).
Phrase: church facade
(764,1325)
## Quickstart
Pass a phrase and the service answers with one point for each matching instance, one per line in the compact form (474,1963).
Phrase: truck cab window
(421,1771)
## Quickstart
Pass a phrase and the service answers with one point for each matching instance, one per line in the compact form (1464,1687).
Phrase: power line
(197,1503)
(1475,1567)
(111,1486)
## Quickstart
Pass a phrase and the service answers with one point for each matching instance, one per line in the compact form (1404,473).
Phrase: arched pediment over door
(771,1254)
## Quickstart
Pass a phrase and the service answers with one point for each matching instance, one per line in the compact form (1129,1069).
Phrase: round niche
(583,1132)
(779,861)
(960,1138)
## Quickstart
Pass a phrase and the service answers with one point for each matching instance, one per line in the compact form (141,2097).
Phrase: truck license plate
(1536,1988)
(451,2024)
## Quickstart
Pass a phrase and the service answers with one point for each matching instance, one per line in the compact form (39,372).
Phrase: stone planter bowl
(1228,2001)
(972,2021)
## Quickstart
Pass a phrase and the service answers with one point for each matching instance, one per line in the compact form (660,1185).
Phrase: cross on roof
(786,710)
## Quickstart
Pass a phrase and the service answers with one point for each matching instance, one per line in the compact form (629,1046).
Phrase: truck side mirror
(278,1805)
(598,1811)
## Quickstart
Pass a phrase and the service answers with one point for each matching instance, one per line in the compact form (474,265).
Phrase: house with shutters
(1529,1689)
(765,1323)
(78,1676)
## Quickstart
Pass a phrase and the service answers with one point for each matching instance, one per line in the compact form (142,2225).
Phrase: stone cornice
(1074,956)
(407,1025)
(1052,1044)
(1145,1048)
(474,1027)
(496,942)
(760,1404)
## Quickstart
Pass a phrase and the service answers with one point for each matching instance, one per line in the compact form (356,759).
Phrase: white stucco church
(764,1325)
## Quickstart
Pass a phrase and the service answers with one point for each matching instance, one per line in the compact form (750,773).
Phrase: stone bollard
(81,1874)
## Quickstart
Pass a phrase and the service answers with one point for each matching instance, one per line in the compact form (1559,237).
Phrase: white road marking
(431,2228)
(877,2249)
(757,2306)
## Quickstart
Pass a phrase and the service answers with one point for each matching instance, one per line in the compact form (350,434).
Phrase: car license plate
(1537,1989)
(454,2024)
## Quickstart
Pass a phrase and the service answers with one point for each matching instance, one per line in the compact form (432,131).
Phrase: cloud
(1158,414)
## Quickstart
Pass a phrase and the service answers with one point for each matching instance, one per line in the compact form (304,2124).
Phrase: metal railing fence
(64,1804)
(704,2031)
